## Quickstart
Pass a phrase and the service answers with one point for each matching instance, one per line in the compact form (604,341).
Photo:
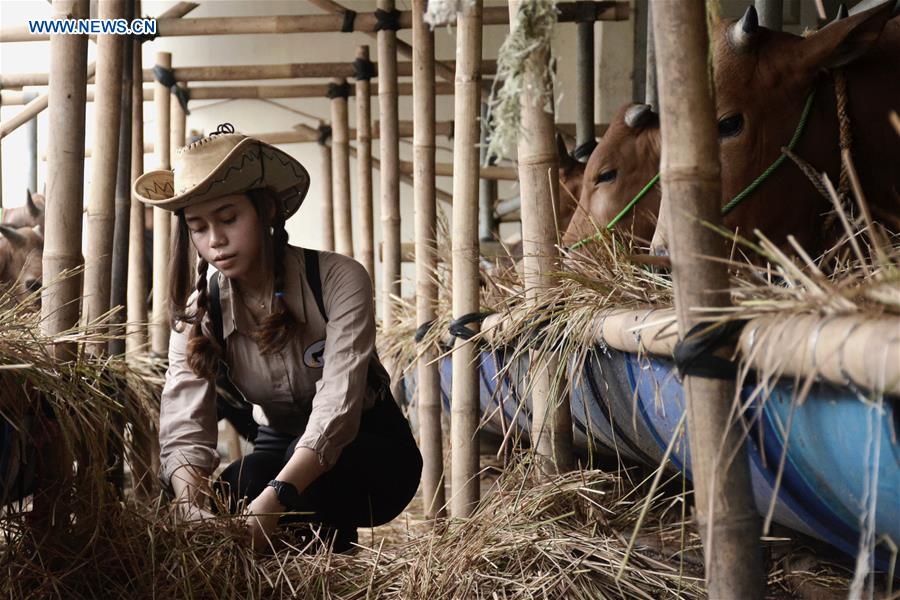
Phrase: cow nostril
(659,251)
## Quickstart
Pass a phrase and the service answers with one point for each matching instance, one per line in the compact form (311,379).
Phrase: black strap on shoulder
(215,311)
(314,279)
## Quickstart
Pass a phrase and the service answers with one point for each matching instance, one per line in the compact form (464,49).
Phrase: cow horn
(15,238)
(743,33)
(638,116)
(33,209)
(842,13)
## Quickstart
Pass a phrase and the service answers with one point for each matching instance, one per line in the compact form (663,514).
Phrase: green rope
(798,131)
(765,174)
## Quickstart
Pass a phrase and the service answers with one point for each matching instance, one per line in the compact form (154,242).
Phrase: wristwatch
(286,493)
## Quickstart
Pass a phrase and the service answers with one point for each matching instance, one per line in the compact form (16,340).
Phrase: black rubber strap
(584,150)
(314,279)
(423,329)
(387,20)
(347,23)
(324,134)
(694,354)
(166,77)
(338,90)
(458,327)
(363,69)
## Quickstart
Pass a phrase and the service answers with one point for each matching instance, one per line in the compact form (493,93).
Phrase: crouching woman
(293,331)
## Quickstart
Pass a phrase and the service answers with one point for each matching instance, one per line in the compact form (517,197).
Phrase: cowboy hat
(221,164)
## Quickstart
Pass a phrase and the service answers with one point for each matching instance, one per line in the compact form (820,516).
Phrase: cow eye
(607,176)
(731,125)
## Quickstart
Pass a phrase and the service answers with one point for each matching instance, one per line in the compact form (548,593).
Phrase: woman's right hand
(190,512)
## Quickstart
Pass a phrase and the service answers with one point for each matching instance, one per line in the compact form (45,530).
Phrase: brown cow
(625,160)
(21,253)
(763,79)
(25,216)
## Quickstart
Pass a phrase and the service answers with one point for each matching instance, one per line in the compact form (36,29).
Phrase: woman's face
(226,233)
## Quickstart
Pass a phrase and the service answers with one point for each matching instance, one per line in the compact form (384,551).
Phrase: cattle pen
(633,268)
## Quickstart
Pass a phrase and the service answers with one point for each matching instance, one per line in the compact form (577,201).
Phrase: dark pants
(373,480)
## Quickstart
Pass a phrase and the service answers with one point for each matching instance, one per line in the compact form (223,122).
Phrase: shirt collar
(235,315)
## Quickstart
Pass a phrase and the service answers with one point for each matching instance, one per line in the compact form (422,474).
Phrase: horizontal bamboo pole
(446,170)
(488,249)
(239,72)
(364,21)
(836,349)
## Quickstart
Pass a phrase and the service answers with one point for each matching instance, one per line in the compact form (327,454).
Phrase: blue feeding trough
(837,452)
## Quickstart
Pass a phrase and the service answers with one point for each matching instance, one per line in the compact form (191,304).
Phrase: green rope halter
(734,202)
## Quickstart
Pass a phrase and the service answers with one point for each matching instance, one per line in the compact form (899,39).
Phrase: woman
(298,345)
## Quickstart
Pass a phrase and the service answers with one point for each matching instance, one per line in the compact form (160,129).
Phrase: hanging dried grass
(530,33)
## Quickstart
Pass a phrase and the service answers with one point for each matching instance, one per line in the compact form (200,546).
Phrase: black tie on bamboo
(458,327)
(347,23)
(166,77)
(694,354)
(363,69)
(387,19)
(338,90)
(324,134)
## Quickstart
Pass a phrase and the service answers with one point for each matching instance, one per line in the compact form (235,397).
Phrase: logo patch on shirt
(314,357)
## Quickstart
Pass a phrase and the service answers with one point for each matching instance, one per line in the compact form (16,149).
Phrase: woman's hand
(190,512)
(261,522)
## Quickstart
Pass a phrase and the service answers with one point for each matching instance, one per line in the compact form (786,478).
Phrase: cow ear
(13,237)
(843,41)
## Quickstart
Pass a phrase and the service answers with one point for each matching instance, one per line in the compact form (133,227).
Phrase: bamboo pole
(31,138)
(159,319)
(101,205)
(465,402)
(62,241)
(293,91)
(407,179)
(551,430)
(584,85)
(332,23)
(136,328)
(651,93)
(119,277)
(488,225)
(340,161)
(770,13)
(690,175)
(327,189)
(389,173)
(429,384)
(240,72)
(177,129)
(364,168)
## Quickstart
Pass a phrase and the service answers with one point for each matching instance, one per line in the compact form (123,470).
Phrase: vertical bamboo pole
(136,328)
(584,78)
(31,135)
(364,167)
(727,518)
(465,401)
(104,164)
(177,129)
(429,385)
(771,13)
(119,278)
(340,163)
(487,188)
(159,320)
(390,168)
(651,94)
(551,430)
(327,190)
(62,238)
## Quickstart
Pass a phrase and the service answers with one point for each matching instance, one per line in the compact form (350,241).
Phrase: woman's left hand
(261,522)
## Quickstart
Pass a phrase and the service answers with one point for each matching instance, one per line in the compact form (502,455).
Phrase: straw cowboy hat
(224,163)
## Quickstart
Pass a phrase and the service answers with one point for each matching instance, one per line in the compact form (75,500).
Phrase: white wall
(253,116)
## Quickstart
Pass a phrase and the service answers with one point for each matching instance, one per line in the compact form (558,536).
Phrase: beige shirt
(290,390)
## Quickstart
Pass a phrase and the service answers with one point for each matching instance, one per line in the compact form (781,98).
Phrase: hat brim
(249,165)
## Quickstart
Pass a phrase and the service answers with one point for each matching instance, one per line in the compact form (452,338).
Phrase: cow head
(624,161)
(762,81)
(26,216)
(21,255)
